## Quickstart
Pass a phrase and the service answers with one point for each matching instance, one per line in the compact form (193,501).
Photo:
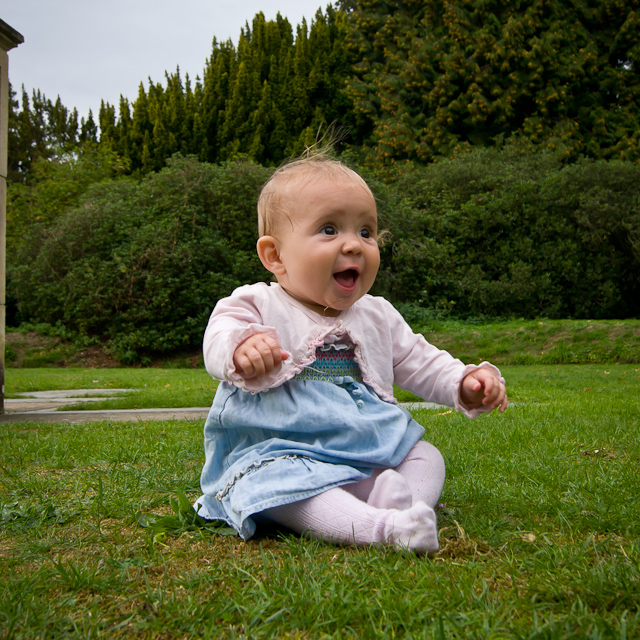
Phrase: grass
(539,532)
(150,388)
(503,342)
(510,342)
(539,341)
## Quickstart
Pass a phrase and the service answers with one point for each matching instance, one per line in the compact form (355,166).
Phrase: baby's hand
(483,388)
(258,355)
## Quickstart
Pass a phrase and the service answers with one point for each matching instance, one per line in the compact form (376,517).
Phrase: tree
(55,185)
(88,129)
(38,128)
(265,99)
(502,232)
(139,264)
(437,77)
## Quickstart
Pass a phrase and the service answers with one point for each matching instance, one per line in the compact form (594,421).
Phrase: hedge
(140,265)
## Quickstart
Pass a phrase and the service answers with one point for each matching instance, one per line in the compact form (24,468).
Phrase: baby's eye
(329,230)
(365,233)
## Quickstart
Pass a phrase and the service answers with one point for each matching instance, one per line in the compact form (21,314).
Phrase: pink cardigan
(387,350)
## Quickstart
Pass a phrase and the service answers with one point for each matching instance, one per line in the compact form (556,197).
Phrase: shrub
(141,265)
(500,233)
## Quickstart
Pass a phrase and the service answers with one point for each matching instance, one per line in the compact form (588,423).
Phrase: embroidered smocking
(333,363)
(336,363)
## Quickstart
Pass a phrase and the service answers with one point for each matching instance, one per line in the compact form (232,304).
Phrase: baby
(304,430)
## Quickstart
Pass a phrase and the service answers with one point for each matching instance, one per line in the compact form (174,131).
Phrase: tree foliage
(409,80)
(55,185)
(516,234)
(140,265)
(264,99)
(501,139)
(40,129)
(435,77)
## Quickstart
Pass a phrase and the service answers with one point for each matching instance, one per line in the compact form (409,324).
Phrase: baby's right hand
(258,355)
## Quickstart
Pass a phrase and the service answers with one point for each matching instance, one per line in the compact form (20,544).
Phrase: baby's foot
(414,529)
(390,491)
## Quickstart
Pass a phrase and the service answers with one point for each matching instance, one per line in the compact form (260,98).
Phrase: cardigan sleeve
(233,320)
(431,373)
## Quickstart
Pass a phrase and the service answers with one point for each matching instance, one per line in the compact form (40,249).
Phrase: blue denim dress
(321,429)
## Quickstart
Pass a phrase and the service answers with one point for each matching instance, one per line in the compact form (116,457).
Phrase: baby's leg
(385,489)
(419,477)
(423,469)
(339,517)
(391,491)
(363,488)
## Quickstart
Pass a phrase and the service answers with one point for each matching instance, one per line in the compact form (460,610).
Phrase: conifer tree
(88,129)
(235,130)
(38,128)
(20,137)
(107,122)
(215,88)
(123,146)
(263,99)
(436,76)
(140,128)
(195,101)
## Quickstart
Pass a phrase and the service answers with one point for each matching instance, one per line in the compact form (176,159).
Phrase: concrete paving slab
(51,400)
(65,394)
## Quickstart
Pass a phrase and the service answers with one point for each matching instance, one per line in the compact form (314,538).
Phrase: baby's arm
(483,388)
(235,320)
(436,375)
(258,355)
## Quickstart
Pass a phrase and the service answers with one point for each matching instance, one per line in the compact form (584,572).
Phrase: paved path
(40,406)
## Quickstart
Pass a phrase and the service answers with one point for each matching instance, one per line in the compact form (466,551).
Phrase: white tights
(392,507)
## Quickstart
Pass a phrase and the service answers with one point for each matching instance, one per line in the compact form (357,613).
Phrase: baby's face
(329,250)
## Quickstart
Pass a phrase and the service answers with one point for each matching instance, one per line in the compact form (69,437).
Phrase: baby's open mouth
(347,278)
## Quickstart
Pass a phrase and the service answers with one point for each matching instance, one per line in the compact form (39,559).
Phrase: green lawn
(538,341)
(539,531)
(150,388)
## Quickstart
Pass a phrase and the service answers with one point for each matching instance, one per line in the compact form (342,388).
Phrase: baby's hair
(276,195)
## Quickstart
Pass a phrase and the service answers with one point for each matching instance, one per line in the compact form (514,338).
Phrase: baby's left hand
(482,388)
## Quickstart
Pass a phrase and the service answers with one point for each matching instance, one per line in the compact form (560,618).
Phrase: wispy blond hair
(277,194)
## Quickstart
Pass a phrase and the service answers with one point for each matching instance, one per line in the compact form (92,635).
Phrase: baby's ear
(269,255)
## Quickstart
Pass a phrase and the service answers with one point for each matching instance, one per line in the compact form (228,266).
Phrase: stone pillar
(9,38)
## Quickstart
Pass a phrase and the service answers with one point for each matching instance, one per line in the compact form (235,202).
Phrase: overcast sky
(91,50)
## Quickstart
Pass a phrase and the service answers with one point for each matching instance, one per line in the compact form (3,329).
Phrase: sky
(86,51)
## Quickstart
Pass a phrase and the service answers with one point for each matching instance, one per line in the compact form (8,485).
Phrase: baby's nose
(352,244)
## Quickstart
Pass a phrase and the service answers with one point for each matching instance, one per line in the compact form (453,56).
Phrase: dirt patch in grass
(455,544)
